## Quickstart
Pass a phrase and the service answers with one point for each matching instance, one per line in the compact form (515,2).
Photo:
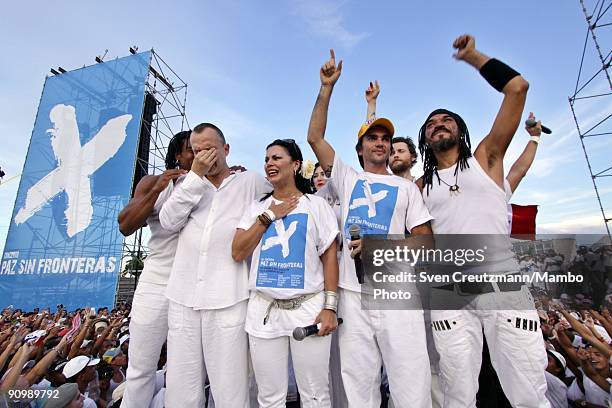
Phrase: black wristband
(497,73)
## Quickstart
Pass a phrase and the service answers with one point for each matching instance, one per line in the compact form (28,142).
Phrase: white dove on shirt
(369,200)
(282,238)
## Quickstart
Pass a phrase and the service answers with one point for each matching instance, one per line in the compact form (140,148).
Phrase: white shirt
(204,275)
(379,204)
(162,244)
(556,391)
(286,263)
(479,207)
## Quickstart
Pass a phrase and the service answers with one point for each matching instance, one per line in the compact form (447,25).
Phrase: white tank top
(480,207)
(162,245)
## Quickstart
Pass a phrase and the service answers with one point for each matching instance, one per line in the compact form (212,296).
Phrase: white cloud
(587,224)
(325,19)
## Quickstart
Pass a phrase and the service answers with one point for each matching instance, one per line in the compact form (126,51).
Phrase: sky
(252,68)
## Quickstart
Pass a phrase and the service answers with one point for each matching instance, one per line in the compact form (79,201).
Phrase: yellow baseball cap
(384,122)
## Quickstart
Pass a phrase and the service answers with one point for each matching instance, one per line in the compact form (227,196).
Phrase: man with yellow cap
(375,202)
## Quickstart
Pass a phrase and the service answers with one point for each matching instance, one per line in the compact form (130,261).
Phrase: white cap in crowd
(78,364)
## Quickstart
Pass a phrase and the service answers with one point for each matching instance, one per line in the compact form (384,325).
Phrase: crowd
(239,261)
(66,358)
(593,264)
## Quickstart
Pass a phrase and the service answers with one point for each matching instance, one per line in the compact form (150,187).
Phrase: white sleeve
(417,212)
(326,224)
(175,211)
(259,185)
(250,215)
(342,177)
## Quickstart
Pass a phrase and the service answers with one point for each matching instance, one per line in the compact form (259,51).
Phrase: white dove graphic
(369,200)
(282,238)
(75,165)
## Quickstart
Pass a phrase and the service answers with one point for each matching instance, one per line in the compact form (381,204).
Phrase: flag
(522,221)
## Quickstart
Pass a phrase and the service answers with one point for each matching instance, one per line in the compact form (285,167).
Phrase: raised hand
(329,71)
(166,177)
(372,92)
(465,46)
(284,208)
(203,161)
(534,130)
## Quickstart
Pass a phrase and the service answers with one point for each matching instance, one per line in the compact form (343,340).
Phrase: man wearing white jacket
(208,290)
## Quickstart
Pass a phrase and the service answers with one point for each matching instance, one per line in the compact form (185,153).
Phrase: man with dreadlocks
(465,195)
(149,318)
(379,203)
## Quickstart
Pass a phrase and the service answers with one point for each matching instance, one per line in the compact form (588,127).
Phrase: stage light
(99,60)
(54,72)
(62,70)
(133,49)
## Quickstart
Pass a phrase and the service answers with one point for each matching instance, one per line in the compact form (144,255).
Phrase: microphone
(355,233)
(300,333)
(532,122)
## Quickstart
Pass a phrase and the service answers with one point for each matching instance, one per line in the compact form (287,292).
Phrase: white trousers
(310,362)
(515,344)
(369,337)
(209,342)
(148,331)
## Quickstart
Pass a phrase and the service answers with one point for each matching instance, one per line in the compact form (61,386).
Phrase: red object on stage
(524,221)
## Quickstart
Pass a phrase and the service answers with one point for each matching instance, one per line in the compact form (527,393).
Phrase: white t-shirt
(162,244)
(379,204)
(556,391)
(286,263)
(331,196)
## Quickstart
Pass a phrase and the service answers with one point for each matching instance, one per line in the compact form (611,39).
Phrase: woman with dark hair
(290,235)
(319,179)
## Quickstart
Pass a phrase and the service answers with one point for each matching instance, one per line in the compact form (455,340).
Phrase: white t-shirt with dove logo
(286,262)
(379,204)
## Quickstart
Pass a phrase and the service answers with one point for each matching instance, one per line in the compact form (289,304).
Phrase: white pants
(148,331)
(207,341)
(310,362)
(515,344)
(367,337)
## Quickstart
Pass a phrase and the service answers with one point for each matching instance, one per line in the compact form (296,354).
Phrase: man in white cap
(81,370)
(208,290)
(556,391)
(379,203)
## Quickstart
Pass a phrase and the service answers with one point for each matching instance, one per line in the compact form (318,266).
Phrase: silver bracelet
(331,300)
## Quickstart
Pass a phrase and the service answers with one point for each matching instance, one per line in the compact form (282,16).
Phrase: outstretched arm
(329,74)
(521,166)
(135,214)
(491,151)
(371,94)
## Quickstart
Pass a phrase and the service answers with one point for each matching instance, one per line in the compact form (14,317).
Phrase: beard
(444,145)
(400,166)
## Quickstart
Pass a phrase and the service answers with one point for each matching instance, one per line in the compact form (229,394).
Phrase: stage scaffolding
(591,103)
(170,95)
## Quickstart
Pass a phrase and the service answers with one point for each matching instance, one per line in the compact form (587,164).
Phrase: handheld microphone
(355,233)
(532,122)
(300,333)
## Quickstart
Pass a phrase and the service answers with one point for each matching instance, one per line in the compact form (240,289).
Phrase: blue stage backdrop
(63,244)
